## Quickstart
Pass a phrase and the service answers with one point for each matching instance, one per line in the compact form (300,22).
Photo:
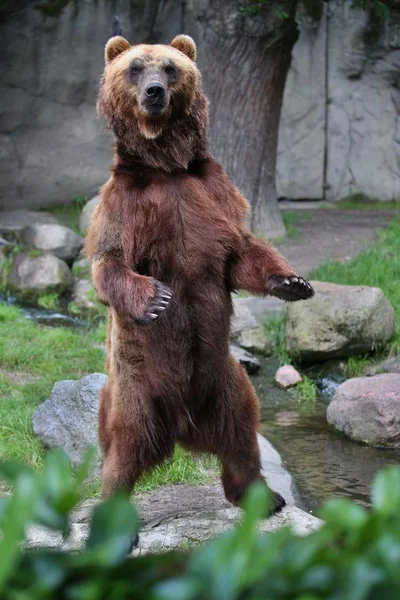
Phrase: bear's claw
(291,288)
(156,305)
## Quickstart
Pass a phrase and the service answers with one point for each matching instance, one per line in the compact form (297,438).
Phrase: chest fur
(176,225)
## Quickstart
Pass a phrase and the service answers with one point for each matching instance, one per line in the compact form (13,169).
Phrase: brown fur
(169,213)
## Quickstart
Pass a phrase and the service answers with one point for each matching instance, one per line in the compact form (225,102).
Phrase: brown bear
(168,244)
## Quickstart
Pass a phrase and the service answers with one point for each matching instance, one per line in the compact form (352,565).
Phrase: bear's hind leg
(133,443)
(237,447)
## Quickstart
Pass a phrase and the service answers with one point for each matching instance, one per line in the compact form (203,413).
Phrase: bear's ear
(115,46)
(185,44)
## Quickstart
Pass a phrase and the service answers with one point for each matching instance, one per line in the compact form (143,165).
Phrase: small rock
(13,222)
(249,362)
(61,241)
(255,340)
(68,419)
(287,377)
(367,409)
(30,276)
(82,295)
(87,212)
(341,320)
(389,365)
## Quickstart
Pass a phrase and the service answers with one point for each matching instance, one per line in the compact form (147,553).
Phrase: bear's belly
(185,347)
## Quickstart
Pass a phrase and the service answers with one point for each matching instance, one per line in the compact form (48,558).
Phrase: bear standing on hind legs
(168,243)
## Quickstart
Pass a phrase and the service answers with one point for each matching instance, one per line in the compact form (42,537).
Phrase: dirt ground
(332,234)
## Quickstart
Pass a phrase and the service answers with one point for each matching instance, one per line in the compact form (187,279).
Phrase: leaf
(11,469)
(176,589)
(343,513)
(385,492)
(113,527)
(18,515)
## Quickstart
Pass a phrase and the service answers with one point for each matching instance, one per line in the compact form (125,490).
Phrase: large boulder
(249,312)
(256,340)
(13,222)
(173,517)
(61,241)
(83,296)
(87,213)
(32,275)
(68,419)
(389,365)
(367,409)
(339,321)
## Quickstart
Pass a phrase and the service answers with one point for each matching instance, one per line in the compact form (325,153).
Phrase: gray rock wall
(339,130)
(301,146)
(52,144)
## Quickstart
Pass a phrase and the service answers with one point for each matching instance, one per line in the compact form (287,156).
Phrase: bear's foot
(291,288)
(278,502)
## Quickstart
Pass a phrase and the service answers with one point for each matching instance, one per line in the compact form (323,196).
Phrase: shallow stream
(323,463)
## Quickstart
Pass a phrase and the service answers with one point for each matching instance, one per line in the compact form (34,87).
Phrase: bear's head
(153,93)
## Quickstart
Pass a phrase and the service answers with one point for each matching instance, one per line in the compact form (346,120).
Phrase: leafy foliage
(354,556)
(376,8)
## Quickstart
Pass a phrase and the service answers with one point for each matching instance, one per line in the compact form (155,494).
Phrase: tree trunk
(244,61)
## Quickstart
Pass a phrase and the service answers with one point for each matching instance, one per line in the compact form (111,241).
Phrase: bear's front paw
(289,288)
(155,305)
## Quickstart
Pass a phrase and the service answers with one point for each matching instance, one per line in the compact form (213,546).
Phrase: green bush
(354,556)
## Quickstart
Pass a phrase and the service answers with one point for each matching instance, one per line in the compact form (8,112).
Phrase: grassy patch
(69,214)
(53,354)
(356,365)
(305,391)
(360,201)
(379,266)
(291,220)
(48,300)
(275,332)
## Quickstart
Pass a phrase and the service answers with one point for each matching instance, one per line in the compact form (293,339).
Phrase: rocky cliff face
(339,131)
(52,144)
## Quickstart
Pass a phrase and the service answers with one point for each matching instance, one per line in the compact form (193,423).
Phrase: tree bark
(244,61)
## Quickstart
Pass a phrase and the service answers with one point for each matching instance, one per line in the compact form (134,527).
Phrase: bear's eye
(171,71)
(134,72)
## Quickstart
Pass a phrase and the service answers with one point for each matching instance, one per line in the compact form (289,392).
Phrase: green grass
(32,358)
(379,266)
(360,201)
(291,220)
(275,332)
(68,214)
(48,300)
(305,391)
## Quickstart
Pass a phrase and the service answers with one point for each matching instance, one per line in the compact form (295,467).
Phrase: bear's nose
(155,91)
